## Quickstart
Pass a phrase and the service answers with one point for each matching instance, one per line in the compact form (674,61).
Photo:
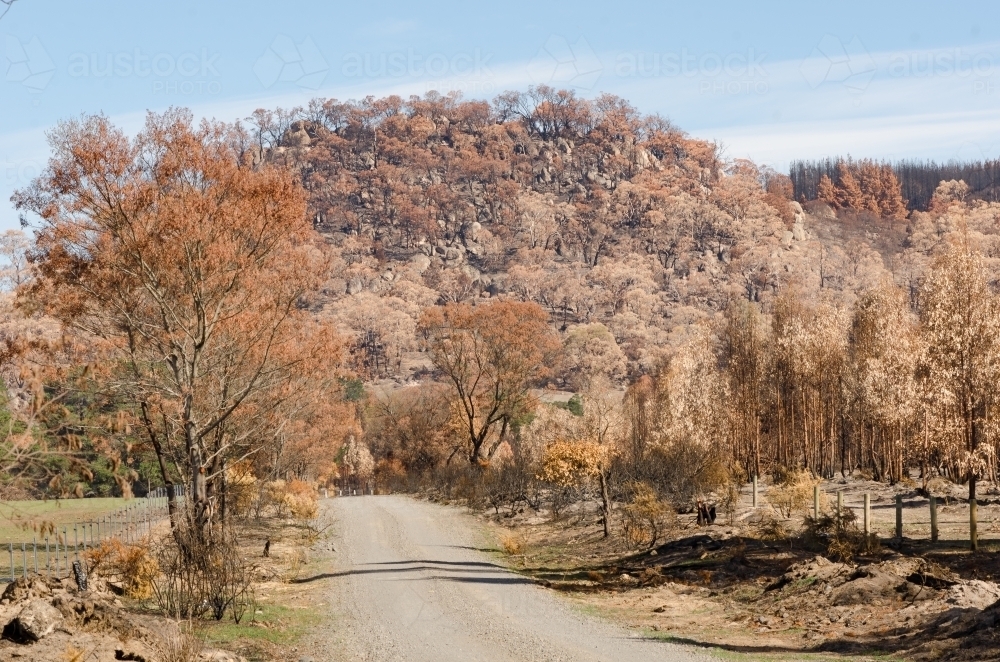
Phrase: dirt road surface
(409,581)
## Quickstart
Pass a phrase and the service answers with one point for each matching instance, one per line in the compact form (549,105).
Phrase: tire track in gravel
(409,583)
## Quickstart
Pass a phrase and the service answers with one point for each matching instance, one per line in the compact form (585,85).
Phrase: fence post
(10,551)
(24,561)
(973,525)
(754,481)
(868,513)
(934,524)
(840,503)
(34,551)
(48,561)
(899,517)
(66,545)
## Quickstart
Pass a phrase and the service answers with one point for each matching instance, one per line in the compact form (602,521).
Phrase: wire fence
(912,518)
(351,487)
(51,553)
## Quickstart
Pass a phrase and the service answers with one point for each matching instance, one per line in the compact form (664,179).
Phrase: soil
(726,587)
(101,624)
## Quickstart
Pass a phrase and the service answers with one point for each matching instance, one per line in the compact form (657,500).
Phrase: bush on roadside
(767,526)
(132,566)
(301,499)
(645,518)
(512,543)
(839,536)
(241,490)
(295,497)
(198,577)
(792,492)
(510,485)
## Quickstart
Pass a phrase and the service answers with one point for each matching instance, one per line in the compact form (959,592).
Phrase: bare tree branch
(6,4)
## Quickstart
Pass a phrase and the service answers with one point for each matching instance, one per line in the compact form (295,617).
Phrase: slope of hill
(623,227)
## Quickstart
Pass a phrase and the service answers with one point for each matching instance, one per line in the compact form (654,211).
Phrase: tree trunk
(973,516)
(605,505)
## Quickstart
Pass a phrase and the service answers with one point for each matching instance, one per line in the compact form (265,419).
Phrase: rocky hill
(626,229)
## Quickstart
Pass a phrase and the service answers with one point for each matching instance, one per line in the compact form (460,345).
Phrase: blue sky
(772,81)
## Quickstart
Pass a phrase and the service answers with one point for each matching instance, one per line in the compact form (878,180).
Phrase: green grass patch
(276,624)
(20,519)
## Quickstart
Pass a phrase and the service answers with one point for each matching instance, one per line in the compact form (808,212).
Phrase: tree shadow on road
(427,565)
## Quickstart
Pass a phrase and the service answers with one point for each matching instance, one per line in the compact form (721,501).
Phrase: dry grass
(793,493)
(73,654)
(180,644)
(133,566)
(645,518)
(513,543)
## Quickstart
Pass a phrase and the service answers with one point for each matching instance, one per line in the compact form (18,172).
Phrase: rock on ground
(36,620)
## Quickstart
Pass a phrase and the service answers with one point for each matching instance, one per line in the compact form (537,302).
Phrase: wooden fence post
(973,525)
(754,480)
(899,517)
(934,523)
(868,513)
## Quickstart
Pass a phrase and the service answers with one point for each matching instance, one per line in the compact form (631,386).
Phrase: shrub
(241,490)
(793,492)
(645,518)
(838,534)
(179,644)
(132,566)
(510,485)
(512,543)
(680,471)
(569,463)
(295,497)
(770,528)
(199,577)
(301,499)
(729,497)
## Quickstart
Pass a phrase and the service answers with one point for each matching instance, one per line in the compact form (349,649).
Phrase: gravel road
(408,582)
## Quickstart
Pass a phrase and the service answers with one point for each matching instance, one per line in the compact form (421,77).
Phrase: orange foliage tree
(185,260)
(490,355)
